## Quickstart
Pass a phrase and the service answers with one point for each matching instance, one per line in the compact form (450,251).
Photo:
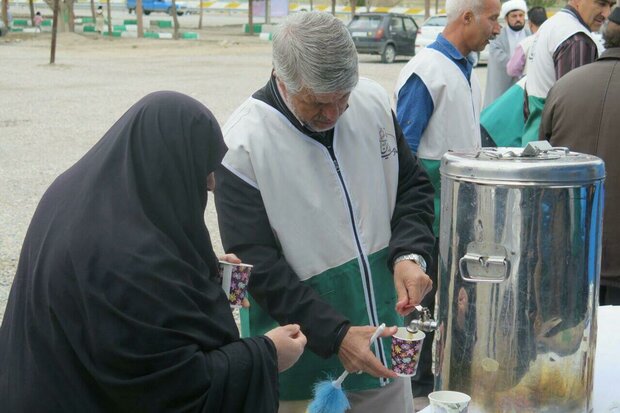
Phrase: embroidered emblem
(387,151)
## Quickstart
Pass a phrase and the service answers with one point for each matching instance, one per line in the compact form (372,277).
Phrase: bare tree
(54,32)
(175,19)
(251,16)
(31,4)
(427,9)
(65,9)
(109,13)
(333,7)
(139,19)
(92,10)
(201,12)
(5,12)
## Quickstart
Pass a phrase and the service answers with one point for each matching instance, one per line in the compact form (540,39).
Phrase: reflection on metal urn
(519,267)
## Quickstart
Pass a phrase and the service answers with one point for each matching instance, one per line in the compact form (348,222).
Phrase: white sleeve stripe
(240,175)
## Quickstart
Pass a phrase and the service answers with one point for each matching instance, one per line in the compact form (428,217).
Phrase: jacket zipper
(366,272)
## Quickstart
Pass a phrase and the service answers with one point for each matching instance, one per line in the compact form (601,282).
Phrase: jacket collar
(612,53)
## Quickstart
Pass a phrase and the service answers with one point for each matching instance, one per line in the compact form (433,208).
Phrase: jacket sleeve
(246,232)
(412,219)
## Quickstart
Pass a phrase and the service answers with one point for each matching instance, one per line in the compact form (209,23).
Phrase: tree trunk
(175,19)
(68,14)
(267,11)
(31,4)
(201,12)
(427,9)
(5,13)
(92,11)
(311,5)
(353,4)
(251,17)
(139,18)
(54,32)
(109,13)
(333,7)
(65,14)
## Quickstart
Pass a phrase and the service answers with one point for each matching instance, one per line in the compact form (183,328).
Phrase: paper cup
(446,401)
(406,349)
(234,279)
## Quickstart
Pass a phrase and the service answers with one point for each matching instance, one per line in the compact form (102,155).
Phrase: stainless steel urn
(519,267)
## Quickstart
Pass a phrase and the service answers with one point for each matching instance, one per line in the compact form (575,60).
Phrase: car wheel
(179,13)
(147,12)
(389,54)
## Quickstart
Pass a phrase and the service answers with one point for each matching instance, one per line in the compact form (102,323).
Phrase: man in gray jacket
(581,113)
(502,48)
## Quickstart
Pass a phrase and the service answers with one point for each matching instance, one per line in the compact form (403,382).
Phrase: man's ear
(468,17)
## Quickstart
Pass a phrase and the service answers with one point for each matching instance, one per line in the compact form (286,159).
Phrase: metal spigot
(423,322)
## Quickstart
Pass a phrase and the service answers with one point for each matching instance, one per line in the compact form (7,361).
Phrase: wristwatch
(417,258)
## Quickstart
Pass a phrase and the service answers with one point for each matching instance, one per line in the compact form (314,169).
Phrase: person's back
(563,43)
(581,113)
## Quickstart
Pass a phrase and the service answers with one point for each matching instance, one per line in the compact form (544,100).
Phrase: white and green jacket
(317,222)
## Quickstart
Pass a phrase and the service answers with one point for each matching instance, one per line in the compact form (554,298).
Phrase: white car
(431,28)
(429,31)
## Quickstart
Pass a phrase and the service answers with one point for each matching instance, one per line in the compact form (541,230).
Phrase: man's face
(594,12)
(318,112)
(516,20)
(483,27)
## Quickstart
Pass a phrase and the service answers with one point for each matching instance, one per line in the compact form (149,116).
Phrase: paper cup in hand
(406,349)
(446,401)
(234,279)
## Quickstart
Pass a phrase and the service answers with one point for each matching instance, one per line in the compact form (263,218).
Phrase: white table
(606,397)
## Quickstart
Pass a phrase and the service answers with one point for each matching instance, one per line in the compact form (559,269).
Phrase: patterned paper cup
(406,349)
(234,279)
(446,401)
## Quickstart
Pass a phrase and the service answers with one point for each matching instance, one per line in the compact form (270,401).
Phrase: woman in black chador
(116,306)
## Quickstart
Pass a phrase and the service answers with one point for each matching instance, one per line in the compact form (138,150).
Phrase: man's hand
(411,286)
(289,342)
(355,354)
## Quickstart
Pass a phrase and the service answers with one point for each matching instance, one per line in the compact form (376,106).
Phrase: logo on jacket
(387,151)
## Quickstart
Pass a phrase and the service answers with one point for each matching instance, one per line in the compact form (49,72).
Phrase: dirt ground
(52,114)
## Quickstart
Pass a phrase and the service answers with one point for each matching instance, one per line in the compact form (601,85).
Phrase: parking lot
(52,114)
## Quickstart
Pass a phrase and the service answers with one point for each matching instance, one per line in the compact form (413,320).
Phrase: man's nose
(606,10)
(496,29)
(333,111)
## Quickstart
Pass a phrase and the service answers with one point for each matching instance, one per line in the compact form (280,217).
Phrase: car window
(410,25)
(365,23)
(437,21)
(396,24)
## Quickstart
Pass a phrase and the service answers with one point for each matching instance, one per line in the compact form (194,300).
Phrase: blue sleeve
(414,110)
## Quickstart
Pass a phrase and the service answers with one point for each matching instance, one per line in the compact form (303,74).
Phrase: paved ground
(52,114)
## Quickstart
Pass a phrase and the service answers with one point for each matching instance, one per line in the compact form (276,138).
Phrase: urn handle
(484,263)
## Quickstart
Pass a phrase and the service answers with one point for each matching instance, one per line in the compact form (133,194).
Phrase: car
(3,29)
(385,34)
(431,28)
(164,6)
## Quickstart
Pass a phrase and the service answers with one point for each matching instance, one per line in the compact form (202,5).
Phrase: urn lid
(537,164)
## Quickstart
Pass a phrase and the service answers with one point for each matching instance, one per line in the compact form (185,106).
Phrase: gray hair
(611,34)
(455,8)
(314,50)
